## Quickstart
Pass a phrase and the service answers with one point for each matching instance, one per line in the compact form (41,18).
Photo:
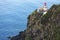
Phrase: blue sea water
(14,13)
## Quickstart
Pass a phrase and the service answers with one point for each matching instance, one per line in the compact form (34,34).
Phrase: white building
(43,10)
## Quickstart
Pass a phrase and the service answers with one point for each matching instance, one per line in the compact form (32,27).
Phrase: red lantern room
(45,4)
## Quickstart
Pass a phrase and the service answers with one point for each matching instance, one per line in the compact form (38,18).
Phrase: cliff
(42,27)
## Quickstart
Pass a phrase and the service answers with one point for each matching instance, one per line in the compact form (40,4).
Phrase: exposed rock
(46,27)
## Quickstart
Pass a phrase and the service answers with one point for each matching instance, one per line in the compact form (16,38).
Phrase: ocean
(14,13)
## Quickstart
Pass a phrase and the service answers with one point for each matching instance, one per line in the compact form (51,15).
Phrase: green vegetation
(42,27)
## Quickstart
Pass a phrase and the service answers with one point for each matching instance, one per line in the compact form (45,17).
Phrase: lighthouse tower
(43,10)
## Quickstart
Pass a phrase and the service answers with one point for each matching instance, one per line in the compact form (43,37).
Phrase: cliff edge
(42,27)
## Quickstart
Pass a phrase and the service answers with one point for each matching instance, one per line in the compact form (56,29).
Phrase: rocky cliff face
(42,27)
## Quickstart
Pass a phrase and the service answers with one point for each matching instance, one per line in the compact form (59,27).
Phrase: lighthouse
(43,10)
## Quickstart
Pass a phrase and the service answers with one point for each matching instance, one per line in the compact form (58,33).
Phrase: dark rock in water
(20,36)
(42,27)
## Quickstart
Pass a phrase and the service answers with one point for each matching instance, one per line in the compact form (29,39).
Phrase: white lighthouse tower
(43,10)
